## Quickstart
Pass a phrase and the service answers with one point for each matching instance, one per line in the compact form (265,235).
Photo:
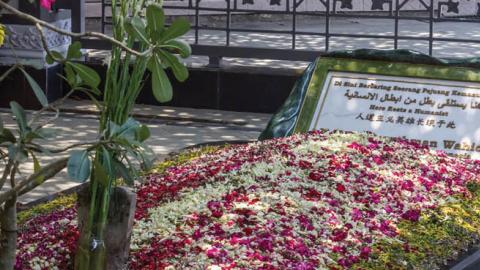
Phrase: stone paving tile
(166,137)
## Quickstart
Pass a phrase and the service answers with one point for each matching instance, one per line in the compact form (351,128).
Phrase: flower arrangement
(309,201)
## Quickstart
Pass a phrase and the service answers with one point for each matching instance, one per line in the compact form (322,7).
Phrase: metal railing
(431,14)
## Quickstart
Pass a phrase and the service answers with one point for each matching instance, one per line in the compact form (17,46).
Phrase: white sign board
(442,114)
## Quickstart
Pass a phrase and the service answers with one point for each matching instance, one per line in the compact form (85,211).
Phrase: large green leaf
(36,89)
(180,46)
(20,117)
(142,133)
(88,75)
(112,129)
(78,166)
(17,152)
(36,164)
(161,87)
(136,27)
(178,28)
(127,130)
(155,21)
(31,62)
(36,168)
(7,136)
(31,135)
(107,162)
(53,57)
(179,69)
(71,76)
(74,50)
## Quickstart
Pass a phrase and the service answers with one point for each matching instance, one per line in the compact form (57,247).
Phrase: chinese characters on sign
(444,115)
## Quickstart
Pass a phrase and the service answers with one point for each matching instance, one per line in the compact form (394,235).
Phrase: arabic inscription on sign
(444,115)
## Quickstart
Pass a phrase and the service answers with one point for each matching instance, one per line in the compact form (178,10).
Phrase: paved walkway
(172,129)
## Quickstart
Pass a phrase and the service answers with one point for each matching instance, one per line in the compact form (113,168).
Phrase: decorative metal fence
(393,11)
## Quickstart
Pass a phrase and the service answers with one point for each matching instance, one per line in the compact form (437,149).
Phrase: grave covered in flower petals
(309,201)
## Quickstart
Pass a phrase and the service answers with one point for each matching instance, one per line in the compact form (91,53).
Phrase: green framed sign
(436,105)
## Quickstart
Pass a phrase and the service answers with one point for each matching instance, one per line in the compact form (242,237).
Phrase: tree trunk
(8,234)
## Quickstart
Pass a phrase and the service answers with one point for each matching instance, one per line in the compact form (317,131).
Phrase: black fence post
(78,16)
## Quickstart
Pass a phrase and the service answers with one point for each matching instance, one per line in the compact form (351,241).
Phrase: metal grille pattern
(432,11)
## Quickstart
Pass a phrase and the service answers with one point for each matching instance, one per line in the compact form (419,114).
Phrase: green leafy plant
(25,142)
(120,150)
(124,80)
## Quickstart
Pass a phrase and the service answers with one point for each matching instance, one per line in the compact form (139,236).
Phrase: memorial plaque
(433,105)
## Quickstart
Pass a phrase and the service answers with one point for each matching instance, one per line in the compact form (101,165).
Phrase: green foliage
(127,145)
(88,76)
(77,75)
(37,90)
(142,133)
(124,80)
(7,137)
(36,169)
(20,117)
(161,86)
(19,148)
(74,51)
(121,142)
(171,61)
(162,40)
(78,165)
(68,201)
(178,28)
(17,153)
(107,162)
(155,21)
(125,173)
(135,27)
(180,46)
(53,57)
(100,173)
(26,132)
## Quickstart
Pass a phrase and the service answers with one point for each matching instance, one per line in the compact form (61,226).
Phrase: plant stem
(122,85)
(99,255)
(6,172)
(82,257)
(9,71)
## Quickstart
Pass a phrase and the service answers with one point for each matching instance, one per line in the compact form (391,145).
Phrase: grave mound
(308,201)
